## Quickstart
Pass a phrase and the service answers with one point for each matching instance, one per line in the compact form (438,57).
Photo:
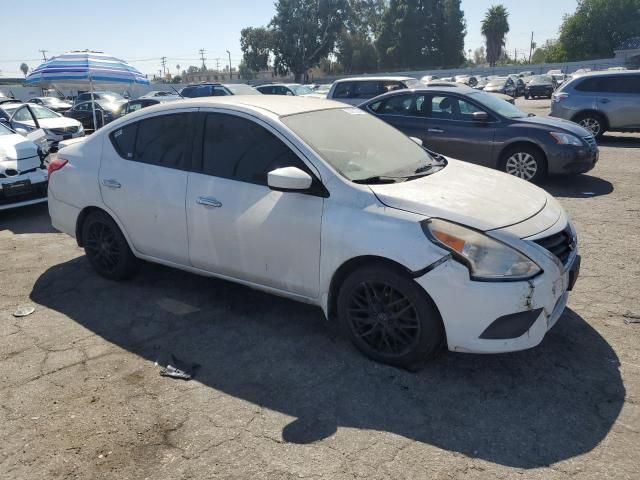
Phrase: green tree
(495,27)
(304,32)
(597,27)
(256,45)
(551,52)
(193,69)
(245,72)
(25,69)
(355,49)
(421,33)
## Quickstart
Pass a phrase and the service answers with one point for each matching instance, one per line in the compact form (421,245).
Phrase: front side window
(240,149)
(399,105)
(43,112)
(366,90)
(621,84)
(23,115)
(160,140)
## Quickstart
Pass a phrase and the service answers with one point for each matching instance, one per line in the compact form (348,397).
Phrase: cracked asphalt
(279,395)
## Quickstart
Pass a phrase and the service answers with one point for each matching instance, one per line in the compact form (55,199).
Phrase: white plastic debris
(24,311)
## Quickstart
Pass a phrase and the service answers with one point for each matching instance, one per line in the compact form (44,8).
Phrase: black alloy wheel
(106,248)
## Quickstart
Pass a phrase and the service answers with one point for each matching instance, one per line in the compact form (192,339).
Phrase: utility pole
(202,52)
(217,64)
(163,62)
(44,55)
(515,55)
(531,48)
(229,53)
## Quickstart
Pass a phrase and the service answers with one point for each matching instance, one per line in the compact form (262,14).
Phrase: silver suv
(600,102)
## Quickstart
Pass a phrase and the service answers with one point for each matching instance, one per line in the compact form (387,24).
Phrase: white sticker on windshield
(354,111)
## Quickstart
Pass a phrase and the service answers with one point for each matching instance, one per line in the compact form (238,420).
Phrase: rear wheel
(524,162)
(593,122)
(106,248)
(389,318)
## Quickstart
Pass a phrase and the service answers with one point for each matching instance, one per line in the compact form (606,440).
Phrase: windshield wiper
(379,180)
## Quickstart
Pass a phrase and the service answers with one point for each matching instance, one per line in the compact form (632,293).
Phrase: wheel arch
(84,214)
(592,111)
(521,143)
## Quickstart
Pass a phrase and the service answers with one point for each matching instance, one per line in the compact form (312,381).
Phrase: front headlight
(566,139)
(486,258)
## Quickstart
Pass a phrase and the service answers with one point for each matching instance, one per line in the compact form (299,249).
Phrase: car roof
(438,88)
(375,79)
(275,104)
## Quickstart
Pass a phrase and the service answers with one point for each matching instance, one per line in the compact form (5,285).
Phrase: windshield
(112,97)
(497,82)
(498,105)
(538,79)
(241,89)
(4,130)
(302,90)
(359,146)
(42,112)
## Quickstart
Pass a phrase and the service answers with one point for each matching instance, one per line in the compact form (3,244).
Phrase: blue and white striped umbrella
(80,68)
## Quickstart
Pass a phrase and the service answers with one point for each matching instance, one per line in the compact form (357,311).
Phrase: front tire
(106,248)
(527,163)
(389,317)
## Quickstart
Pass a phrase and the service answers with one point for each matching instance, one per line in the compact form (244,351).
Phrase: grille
(62,131)
(591,141)
(560,244)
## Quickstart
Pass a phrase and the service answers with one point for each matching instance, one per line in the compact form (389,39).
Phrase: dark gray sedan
(478,127)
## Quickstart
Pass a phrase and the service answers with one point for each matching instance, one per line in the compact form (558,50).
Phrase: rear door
(619,99)
(143,181)
(404,113)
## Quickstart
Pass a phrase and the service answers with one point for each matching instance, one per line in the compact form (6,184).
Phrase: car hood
(16,147)
(555,123)
(57,122)
(468,194)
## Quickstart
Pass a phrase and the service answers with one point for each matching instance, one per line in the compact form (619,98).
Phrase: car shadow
(526,410)
(577,186)
(29,219)
(619,141)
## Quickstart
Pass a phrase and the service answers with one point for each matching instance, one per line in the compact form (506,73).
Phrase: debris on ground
(631,318)
(179,369)
(24,311)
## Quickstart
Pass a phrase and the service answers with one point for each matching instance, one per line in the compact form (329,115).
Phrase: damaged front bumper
(497,317)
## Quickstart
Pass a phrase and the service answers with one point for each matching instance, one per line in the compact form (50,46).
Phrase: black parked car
(83,112)
(478,127)
(103,96)
(52,103)
(540,86)
(205,90)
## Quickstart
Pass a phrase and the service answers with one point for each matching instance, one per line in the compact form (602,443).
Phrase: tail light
(559,97)
(56,164)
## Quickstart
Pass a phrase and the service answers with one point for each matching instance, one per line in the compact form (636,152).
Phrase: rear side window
(160,140)
(343,90)
(366,90)
(589,85)
(239,149)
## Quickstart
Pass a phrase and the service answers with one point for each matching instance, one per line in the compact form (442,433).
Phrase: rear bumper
(37,192)
(64,217)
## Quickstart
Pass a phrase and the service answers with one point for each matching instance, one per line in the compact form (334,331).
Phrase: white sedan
(23,176)
(324,204)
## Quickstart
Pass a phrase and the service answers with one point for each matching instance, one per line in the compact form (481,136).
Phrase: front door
(240,228)
(452,131)
(143,181)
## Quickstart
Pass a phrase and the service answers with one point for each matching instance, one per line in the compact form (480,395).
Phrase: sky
(142,31)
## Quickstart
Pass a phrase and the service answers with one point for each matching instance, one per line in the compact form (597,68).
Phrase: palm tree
(495,27)
(25,69)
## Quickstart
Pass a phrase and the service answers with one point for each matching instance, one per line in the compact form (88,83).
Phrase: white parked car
(357,90)
(23,176)
(27,117)
(323,203)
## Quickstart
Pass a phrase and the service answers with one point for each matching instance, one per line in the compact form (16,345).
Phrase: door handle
(435,130)
(208,202)
(111,183)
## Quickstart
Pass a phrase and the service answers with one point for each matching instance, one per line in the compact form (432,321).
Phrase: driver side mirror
(480,116)
(288,179)
(21,131)
(417,140)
